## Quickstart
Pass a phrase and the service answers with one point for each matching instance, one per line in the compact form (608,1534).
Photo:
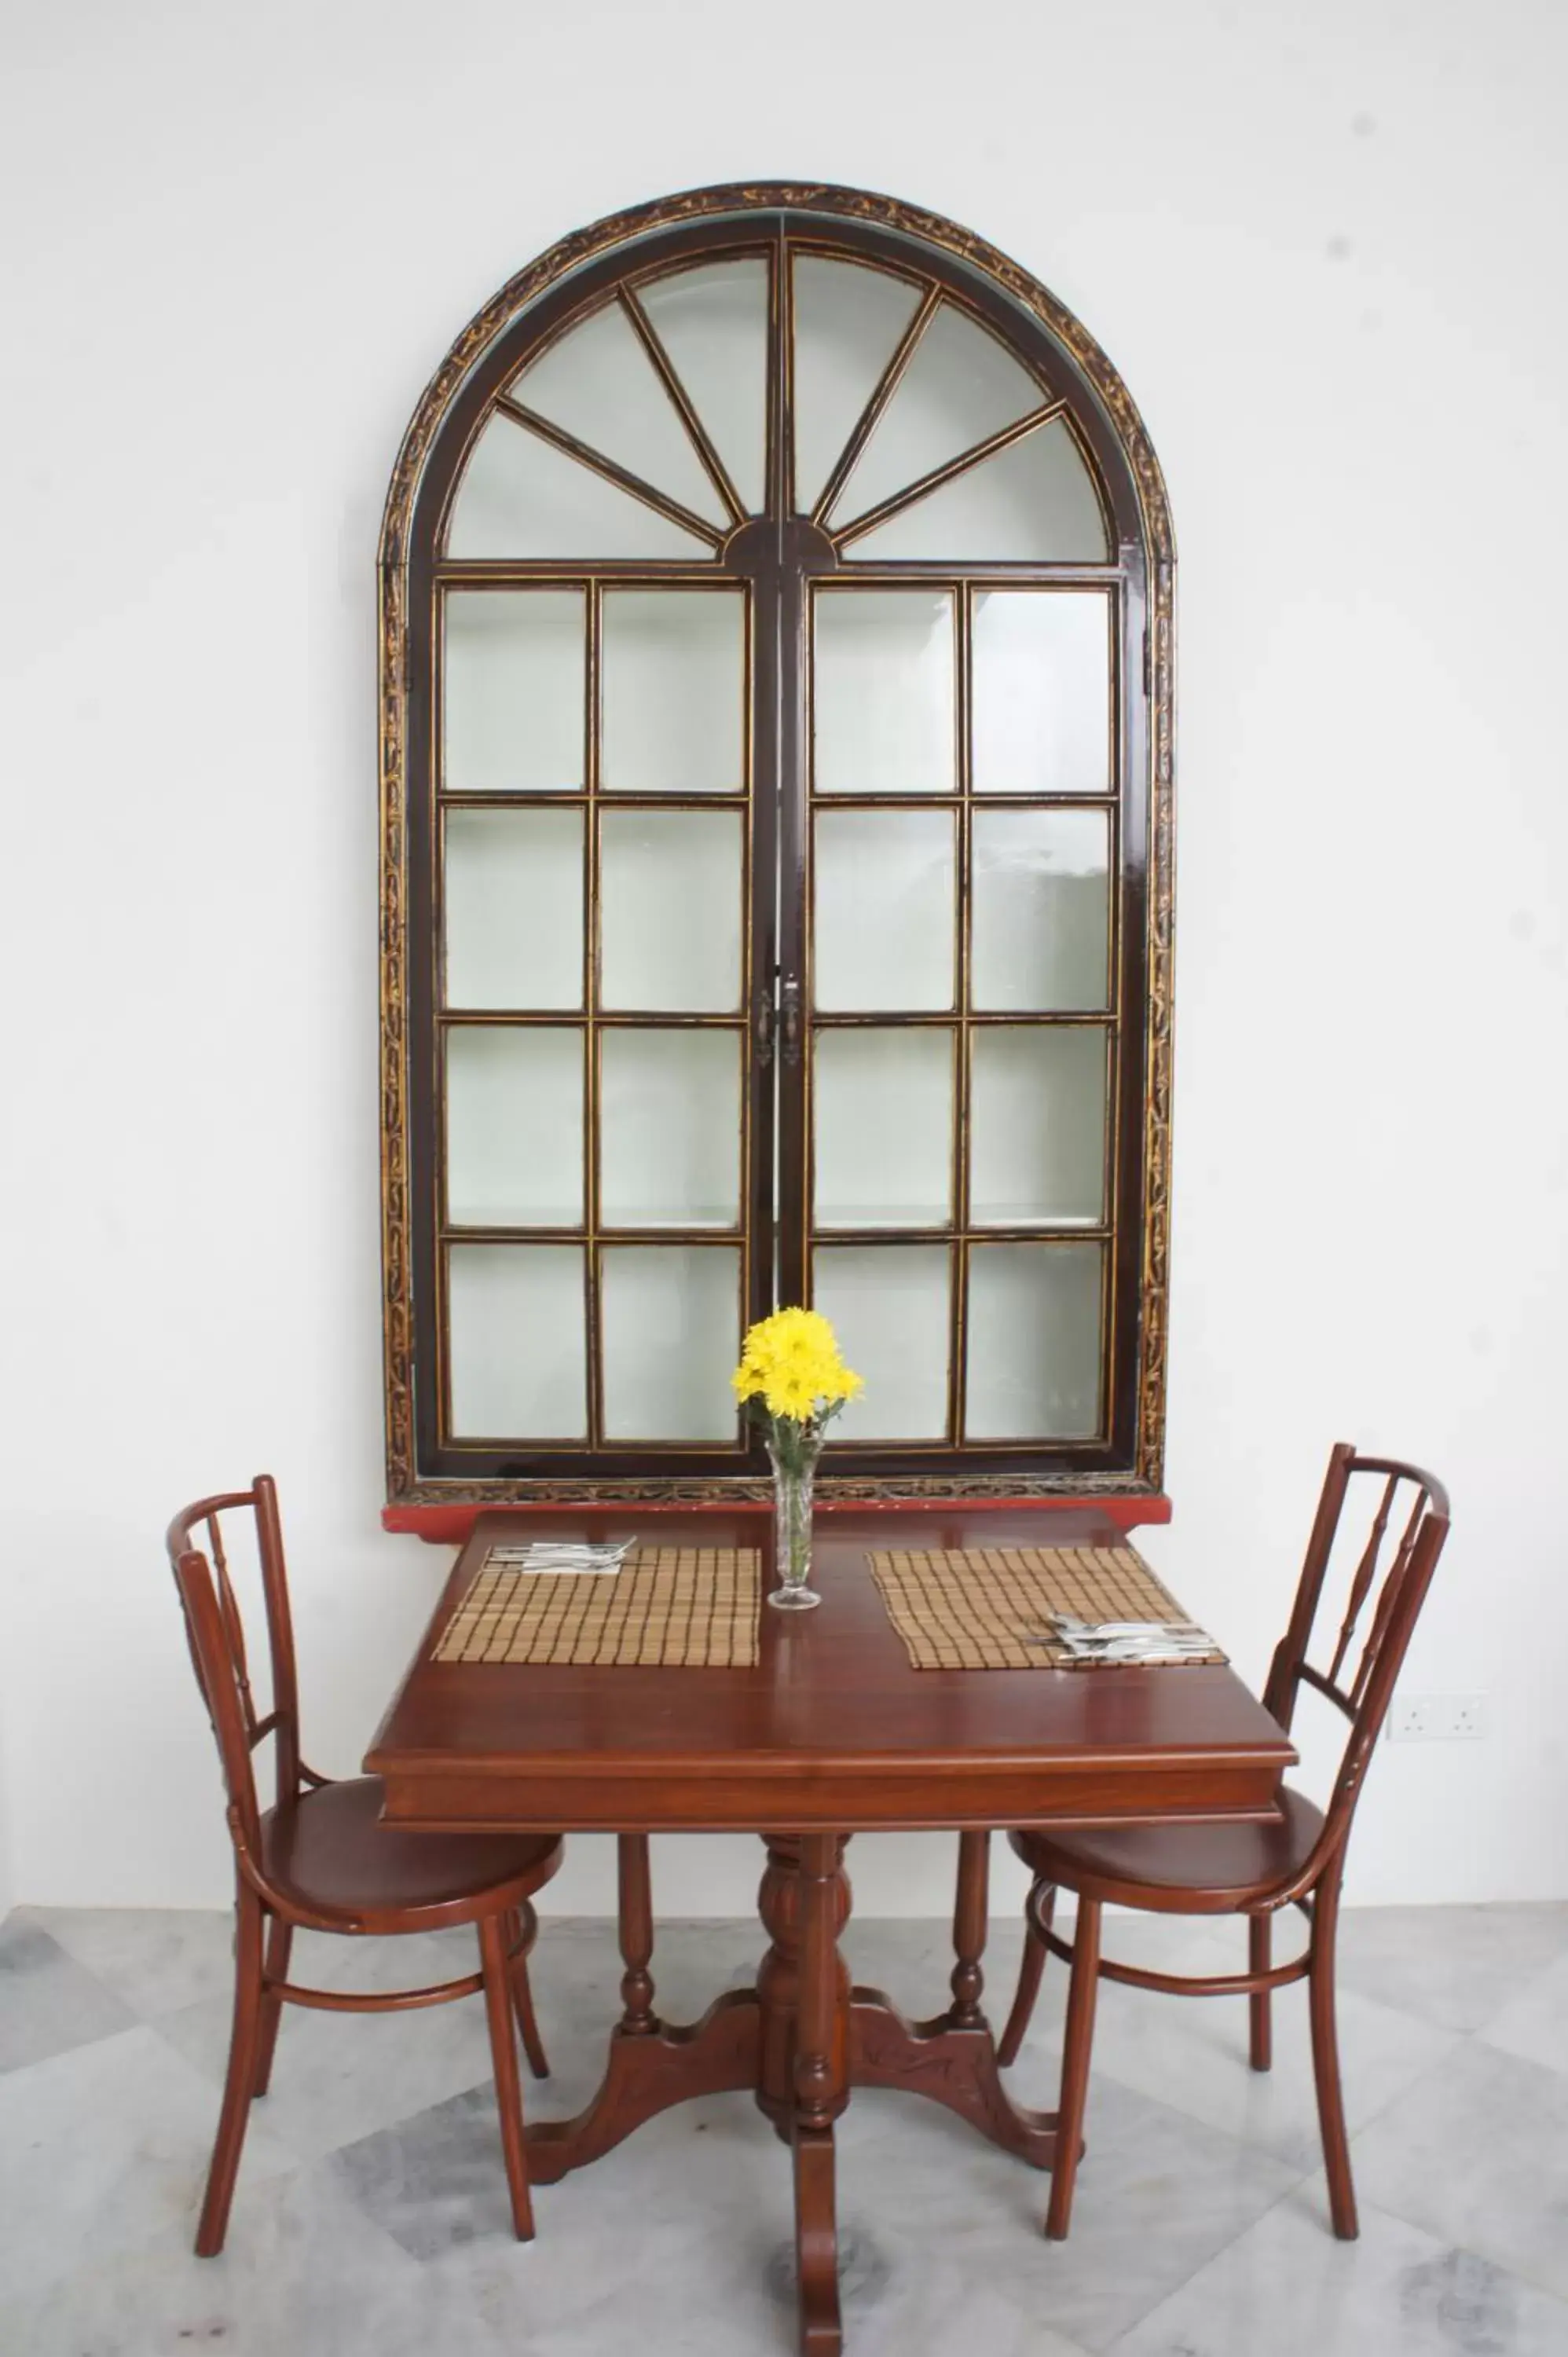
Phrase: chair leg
(523,1928)
(493,1945)
(1029,1971)
(1077,2042)
(1325,2063)
(1260,2027)
(243,2043)
(280,1939)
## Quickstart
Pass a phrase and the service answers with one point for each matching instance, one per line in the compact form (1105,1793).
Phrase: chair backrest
(217,1635)
(1409,1516)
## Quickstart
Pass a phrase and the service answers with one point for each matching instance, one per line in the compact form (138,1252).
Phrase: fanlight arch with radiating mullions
(776,775)
(660,395)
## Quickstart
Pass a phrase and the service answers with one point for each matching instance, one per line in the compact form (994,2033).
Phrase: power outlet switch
(1437,1718)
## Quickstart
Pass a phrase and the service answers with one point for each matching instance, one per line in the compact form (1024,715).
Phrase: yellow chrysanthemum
(791,1363)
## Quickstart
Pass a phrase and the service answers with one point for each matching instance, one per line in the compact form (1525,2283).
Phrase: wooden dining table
(831,1734)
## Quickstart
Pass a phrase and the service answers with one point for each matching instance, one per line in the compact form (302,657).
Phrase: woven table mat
(674,1608)
(972,1608)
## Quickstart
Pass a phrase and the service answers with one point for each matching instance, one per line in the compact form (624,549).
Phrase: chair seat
(329,1855)
(1178,1869)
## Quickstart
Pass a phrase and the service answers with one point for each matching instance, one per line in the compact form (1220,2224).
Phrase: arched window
(776,783)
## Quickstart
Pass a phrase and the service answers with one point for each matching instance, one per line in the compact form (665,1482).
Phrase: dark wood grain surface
(832,1729)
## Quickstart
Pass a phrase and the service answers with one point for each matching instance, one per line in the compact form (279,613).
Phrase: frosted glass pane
(674,692)
(884,894)
(883,1114)
(1034,1343)
(514,1127)
(671,1338)
(888,1305)
(517,1343)
(1033,503)
(712,323)
(600,384)
(1041,915)
(883,694)
(512,692)
(848,321)
(670,1128)
(1042,693)
(670,911)
(960,386)
(1037,1125)
(521,497)
(512,893)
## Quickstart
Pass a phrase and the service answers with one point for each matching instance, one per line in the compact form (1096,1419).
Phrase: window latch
(790,1000)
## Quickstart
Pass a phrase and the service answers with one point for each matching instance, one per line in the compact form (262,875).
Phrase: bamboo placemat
(678,1607)
(972,1608)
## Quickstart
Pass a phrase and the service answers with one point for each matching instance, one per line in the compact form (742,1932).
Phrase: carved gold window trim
(1146,1475)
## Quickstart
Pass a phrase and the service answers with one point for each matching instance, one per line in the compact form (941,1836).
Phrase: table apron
(726,1798)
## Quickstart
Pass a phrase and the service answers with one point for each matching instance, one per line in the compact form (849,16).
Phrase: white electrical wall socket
(1437,1718)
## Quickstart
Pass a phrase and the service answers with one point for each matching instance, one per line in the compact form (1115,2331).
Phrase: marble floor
(370,2211)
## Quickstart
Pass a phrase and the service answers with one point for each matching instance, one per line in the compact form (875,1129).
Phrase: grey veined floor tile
(1534,2024)
(304,2274)
(1286,2289)
(1454,1966)
(155,1959)
(1478,2153)
(47,2003)
(102,2147)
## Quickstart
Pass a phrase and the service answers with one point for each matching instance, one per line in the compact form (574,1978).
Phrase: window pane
(712,323)
(1037,1125)
(671,911)
(671,1340)
(674,689)
(883,1115)
(514,1127)
(961,386)
(512,692)
(1034,502)
(521,497)
(848,320)
(1042,911)
(512,896)
(884,925)
(600,384)
(883,694)
(888,1304)
(517,1343)
(670,1126)
(1042,693)
(1034,1343)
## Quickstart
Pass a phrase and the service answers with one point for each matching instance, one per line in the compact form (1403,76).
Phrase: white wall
(1324,248)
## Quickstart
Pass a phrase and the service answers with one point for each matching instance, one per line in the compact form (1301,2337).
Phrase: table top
(832,1729)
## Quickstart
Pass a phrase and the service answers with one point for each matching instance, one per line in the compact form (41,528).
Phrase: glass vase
(794,1477)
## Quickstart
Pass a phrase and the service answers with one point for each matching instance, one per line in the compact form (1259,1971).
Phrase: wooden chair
(320,1858)
(1297,1858)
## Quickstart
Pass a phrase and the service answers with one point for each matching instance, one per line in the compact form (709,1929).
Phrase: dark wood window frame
(779,558)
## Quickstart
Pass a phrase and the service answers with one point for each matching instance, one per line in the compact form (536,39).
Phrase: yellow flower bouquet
(792,1382)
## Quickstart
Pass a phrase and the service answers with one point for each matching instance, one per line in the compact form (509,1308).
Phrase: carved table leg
(821,2087)
(780,1902)
(969,1928)
(635,1893)
(652,2064)
(953,2060)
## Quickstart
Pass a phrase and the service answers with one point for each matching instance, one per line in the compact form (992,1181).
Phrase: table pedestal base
(801,2041)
